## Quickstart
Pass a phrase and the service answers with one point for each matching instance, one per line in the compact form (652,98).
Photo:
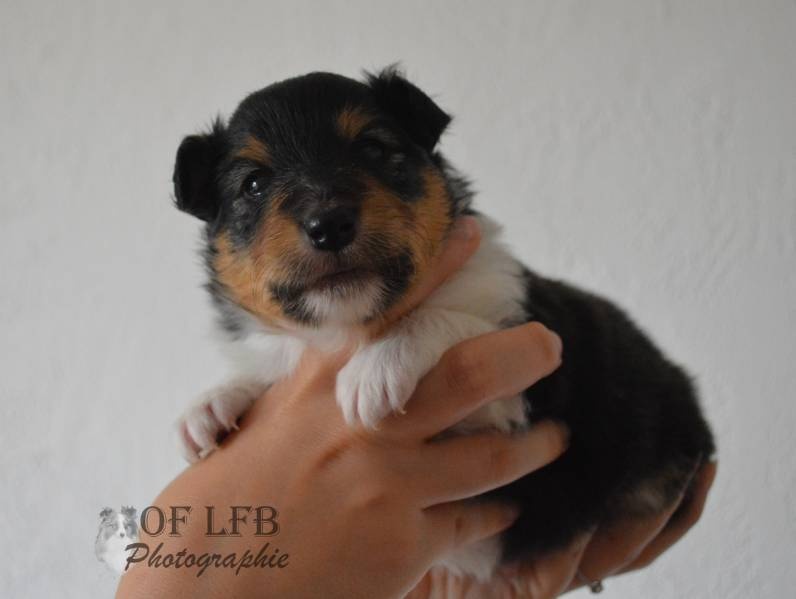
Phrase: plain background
(646,150)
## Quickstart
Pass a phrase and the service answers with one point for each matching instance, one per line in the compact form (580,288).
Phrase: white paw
(216,414)
(378,380)
(381,377)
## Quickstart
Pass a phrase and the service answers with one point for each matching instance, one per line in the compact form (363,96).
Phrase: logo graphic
(117,530)
(119,548)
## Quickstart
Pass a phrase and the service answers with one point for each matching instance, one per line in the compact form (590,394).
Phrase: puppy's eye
(372,149)
(255,184)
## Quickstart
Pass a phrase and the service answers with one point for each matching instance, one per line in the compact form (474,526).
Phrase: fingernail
(465,228)
(558,343)
(692,475)
(566,435)
(510,514)
(560,428)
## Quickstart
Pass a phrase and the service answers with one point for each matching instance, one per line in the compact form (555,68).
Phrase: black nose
(331,230)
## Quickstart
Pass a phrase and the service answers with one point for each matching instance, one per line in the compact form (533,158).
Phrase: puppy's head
(323,197)
(122,524)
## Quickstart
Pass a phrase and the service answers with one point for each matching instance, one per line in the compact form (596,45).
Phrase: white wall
(644,149)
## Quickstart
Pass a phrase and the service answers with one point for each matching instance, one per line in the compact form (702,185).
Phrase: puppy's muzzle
(331,229)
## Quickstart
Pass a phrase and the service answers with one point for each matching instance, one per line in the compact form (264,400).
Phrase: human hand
(362,513)
(626,546)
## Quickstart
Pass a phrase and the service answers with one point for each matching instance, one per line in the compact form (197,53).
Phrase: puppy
(116,532)
(325,200)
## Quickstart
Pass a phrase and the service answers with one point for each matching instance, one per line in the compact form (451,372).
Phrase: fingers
(620,547)
(550,575)
(462,242)
(612,548)
(441,583)
(479,370)
(481,462)
(542,579)
(681,522)
(455,525)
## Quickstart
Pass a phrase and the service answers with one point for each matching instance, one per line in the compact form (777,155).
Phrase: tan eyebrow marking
(351,121)
(255,150)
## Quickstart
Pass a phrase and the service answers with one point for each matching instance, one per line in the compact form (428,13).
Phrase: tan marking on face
(277,245)
(351,121)
(385,217)
(432,218)
(248,273)
(244,282)
(255,150)
(419,227)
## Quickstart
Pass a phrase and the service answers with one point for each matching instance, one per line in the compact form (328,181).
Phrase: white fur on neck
(486,294)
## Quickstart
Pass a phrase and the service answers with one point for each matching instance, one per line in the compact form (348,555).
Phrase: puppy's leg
(215,414)
(265,360)
(381,376)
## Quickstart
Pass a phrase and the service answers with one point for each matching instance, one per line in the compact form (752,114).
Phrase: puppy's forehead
(302,114)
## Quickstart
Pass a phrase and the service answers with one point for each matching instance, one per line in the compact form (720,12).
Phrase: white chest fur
(484,295)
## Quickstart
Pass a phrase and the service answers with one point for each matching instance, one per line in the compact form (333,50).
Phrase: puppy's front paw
(381,377)
(378,379)
(203,426)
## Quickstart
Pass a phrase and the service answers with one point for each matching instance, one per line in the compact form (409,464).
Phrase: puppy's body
(325,202)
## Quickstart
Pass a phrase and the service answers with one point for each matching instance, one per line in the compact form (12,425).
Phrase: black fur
(195,188)
(397,272)
(634,418)
(289,297)
(412,109)
(308,155)
(634,415)
(311,165)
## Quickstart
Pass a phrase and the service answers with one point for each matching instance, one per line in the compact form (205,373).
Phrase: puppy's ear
(198,156)
(106,511)
(128,512)
(419,116)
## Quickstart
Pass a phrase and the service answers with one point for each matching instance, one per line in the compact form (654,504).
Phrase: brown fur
(247,273)
(255,150)
(272,258)
(351,121)
(422,231)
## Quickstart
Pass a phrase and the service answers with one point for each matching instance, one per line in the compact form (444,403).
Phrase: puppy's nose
(331,230)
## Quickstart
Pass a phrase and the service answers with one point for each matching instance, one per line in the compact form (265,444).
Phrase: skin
(354,502)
